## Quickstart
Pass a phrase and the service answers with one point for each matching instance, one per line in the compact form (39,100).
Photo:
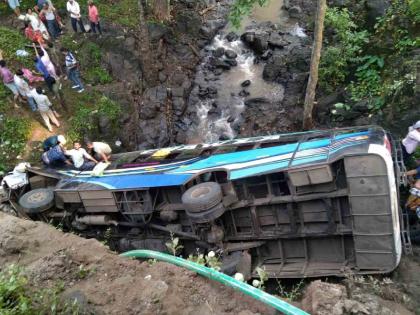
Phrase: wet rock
(257,41)
(275,68)
(276,40)
(295,12)
(244,93)
(221,64)
(231,54)
(266,55)
(218,71)
(231,62)
(209,30)
(231,37)
(256,101)
(246,83)
(218,52)
(77,297)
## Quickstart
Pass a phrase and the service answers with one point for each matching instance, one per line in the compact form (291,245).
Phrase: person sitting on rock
(101,151)
(82,160)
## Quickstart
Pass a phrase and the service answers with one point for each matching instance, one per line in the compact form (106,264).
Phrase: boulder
(231,37)
(322,298)
(188,22)
(231,62)
(295,12)
(230,54)
(275,68)
(246,83)
(218,52)
(276,40)
(257,41)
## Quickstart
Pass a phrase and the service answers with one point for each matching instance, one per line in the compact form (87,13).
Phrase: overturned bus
(304,204)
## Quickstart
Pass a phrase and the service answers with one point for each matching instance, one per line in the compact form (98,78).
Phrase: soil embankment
(109,284)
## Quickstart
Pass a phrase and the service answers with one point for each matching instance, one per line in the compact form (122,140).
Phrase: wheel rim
(37,197)
(201,191)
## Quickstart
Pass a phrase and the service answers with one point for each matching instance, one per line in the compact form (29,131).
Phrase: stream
(231,74)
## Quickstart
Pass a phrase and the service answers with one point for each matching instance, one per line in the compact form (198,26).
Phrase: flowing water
(220,116)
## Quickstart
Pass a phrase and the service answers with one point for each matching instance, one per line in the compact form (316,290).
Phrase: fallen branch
(202,12)
(194,50)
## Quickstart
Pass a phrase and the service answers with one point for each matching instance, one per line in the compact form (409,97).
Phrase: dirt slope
(109,284)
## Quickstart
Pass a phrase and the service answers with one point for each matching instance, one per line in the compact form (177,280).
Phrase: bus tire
(37,200)
(202,197)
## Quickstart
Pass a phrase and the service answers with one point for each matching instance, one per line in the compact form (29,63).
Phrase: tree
(313,74)
(161,9)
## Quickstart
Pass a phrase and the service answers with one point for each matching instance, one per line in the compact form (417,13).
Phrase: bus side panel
(372,212)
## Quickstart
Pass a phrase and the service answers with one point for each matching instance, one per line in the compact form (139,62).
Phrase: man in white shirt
(74,9)
(44,107)
(24,89)
(411,141)
(82,160)
(100,150)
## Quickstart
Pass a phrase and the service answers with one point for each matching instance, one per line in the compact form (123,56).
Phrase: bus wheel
(202,197)
(37,200)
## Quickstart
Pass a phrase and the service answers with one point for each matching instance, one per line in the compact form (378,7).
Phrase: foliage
(376,67)
(210,260)
(241,8)
(18,297)
(337,59)
(10,41)
(97,75)
(262,278)
(87,111)
(173,245)
(294,293)
(14,132)
(369,83)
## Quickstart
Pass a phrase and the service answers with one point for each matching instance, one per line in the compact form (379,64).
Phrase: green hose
(220,277)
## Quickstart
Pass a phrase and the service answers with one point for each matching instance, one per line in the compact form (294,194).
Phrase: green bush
(14,132)
(19,297)
(337,59)
(85,117)
(97,75)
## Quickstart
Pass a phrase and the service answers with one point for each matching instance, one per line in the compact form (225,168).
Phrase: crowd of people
(57,156)
(43,26)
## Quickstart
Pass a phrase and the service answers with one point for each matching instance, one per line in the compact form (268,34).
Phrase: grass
(10,41)
(124,12)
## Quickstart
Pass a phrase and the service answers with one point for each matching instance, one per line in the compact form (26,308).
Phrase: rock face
(376,9)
